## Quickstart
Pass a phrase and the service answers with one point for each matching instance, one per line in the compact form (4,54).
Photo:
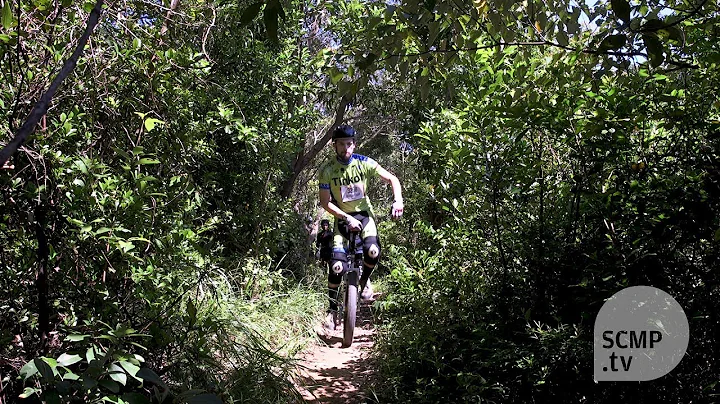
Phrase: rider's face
(344,148)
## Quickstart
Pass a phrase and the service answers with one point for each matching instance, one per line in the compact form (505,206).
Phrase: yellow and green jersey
(348,183)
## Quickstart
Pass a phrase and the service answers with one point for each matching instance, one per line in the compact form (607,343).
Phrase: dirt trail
(333,374)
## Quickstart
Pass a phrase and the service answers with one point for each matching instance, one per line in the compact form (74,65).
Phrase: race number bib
(352,192)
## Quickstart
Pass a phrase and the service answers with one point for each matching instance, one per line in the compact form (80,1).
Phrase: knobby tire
(350,312)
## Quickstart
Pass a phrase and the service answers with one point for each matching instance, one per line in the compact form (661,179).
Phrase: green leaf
(121,330)
(433,31)
(192,313)
(7,16)
(250,13)
(125,246)
(336,75)
(67,360)
(612,42)
(118,374)
(29,391)
(652,25)
(81,166)
(70,376)
(147,161)
(654,49)
(621,8)
(131,369)
(102,230)
(347,87)
(44,369)
(676,35)
(28,370)
(90,354)
(562,38)
(150,376)
(150,123)
(76,337)
(110,385)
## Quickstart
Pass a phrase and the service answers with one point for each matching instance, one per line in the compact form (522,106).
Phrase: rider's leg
(338,265)
(333,285)
(371,256)
(335,269)
(371,251)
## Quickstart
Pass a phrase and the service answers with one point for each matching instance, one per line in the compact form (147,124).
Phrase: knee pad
(371,250)
(338,263)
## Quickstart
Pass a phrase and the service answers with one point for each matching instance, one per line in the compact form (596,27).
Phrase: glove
(317,254)
(397,209)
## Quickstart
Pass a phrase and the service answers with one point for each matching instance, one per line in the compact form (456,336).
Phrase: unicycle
(349,288)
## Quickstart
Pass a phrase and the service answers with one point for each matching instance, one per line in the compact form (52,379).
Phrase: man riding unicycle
(344,182)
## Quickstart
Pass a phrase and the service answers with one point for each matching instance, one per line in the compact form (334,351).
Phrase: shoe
(366,291)
(329,323)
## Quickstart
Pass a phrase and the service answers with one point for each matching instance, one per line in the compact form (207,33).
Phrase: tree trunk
(303,158)
(41,107)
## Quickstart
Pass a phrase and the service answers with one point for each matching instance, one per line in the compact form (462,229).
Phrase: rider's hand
(397,209)
(353,223)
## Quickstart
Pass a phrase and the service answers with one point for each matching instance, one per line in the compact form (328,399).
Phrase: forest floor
(331,374)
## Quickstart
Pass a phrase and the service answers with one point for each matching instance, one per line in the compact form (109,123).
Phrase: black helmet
(324,222)
(343,131)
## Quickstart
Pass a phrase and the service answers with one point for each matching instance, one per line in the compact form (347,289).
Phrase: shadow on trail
(337,375)
(330,340)
(333,341)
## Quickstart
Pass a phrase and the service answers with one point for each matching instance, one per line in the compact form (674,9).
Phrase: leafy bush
(96,369)
(544,205)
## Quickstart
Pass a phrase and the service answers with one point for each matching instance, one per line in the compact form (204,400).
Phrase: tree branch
(303,160)
(173,6)
(679,21)
(41,107)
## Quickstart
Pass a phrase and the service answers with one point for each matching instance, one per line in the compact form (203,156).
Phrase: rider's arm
(398,204)
(334,210)
(331,207)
